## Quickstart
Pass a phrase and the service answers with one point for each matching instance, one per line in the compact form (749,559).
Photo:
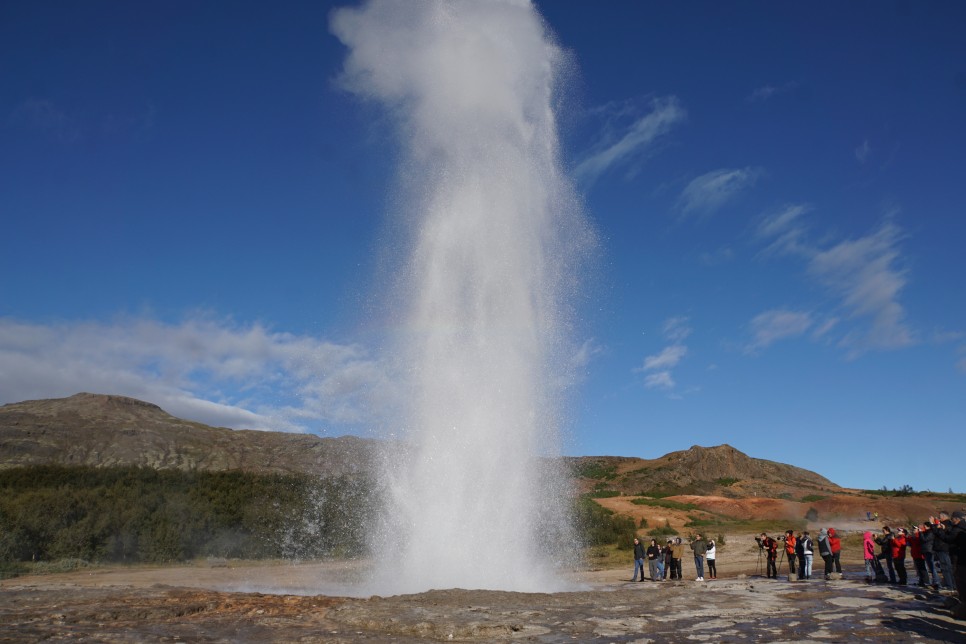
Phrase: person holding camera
(953,535)
(805,555)
(770,546)
(710,558)
(885,552)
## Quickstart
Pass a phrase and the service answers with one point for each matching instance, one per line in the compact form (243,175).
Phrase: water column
(482,296)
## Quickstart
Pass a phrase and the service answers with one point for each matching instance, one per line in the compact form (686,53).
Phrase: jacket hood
(831,532)
(822,533)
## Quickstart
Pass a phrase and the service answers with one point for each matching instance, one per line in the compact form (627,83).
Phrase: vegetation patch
(812,498)
(596,471)
(726,481)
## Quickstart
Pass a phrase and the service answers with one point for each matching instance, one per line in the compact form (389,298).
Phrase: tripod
(758,565)
(780,559)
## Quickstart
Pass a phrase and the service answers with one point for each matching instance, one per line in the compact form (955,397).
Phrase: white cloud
(659,380)
(710,191)
(766,92)
(864,273)
(862,151)
(785,230)
(623,143)
(779,324)
(676,329)
(667,358)
(200,369)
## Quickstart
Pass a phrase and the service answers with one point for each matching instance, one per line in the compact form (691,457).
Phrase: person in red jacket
(899,555)
(918,558)
(835,543)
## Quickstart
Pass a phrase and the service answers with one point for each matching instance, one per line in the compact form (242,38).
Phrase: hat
(958,515)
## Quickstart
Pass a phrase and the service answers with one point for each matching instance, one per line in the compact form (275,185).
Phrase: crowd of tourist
(936,546)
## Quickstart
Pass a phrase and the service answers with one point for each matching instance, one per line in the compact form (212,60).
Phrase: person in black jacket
(941,549)
(954,536)
(885,551)
(927,540)
(639,556)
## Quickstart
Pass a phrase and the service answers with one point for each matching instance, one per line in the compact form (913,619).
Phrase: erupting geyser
(483,297)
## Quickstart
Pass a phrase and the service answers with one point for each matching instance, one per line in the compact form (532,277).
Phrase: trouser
(961,583)
(828,564)
(836,561)
(638,567)
(946,568)
(676,569)
(660,569)
(921,572)
(699,565)
(870,569)
(770,569)
(668,565)
(652,568)
(712,571)
(808,565)
(791,564)
(900,564)
(931,567)
(889,565)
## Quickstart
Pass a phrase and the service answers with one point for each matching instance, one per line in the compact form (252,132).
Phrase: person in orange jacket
(790,551)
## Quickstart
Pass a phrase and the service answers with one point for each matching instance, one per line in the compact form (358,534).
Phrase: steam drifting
(484,295)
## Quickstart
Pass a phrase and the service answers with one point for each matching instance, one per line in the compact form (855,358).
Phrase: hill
(102,430)
(698,484)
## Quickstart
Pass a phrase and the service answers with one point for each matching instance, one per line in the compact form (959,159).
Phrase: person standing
(699,547)
(927,541)
(669,560)
(941,550)
(835,543)
(954,536)
(868,551)
(899,555)
(653,557)
(918,559)
(807,554)
(770,547)
(885,551)
(825,551)
(677,554)
(638,560)
(710,557)
(790,551)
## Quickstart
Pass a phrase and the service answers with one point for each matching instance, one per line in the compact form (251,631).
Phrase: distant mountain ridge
(106,430)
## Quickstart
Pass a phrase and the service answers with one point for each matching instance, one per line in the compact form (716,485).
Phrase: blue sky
(195,213)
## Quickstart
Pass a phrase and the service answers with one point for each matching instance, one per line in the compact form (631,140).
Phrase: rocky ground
(307,603)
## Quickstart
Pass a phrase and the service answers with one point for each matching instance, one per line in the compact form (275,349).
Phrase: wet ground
(101,607)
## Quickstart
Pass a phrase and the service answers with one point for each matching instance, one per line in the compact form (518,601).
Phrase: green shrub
(813,498)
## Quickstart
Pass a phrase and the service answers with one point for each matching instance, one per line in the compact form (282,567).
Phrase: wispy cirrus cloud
(784,231)
(658,366)
(862,151)
(766,92)
(778,324)
(46,118)
(200,369)
(628,134)
(706,194)
(864,274)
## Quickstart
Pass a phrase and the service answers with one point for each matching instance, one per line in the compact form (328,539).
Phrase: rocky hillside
(100,430)
(699,470)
